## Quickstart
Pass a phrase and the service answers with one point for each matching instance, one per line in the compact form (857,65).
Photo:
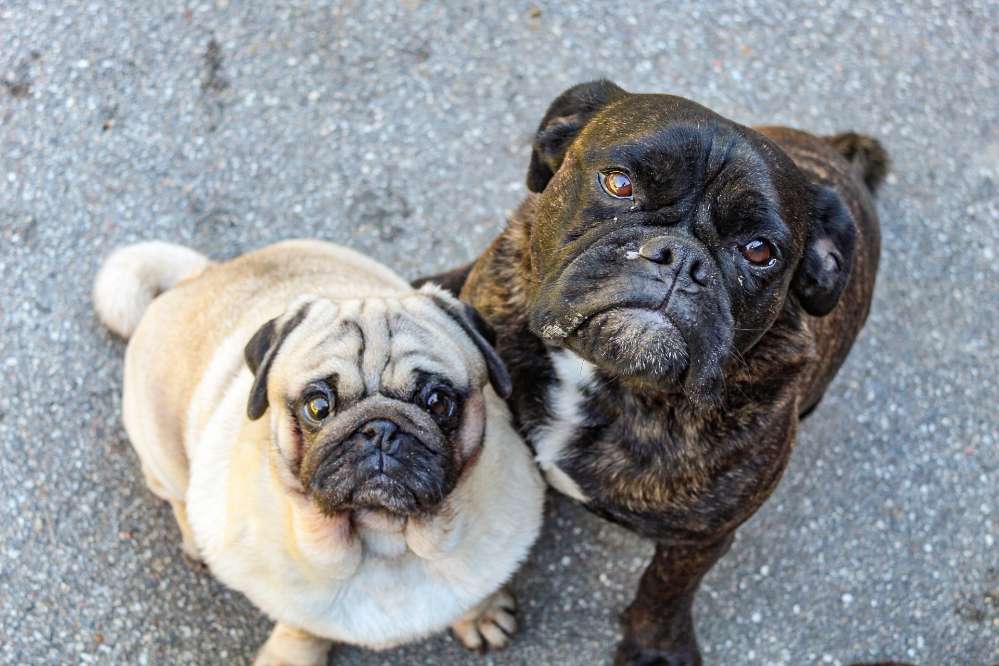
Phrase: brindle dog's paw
(630,653)
(490,625)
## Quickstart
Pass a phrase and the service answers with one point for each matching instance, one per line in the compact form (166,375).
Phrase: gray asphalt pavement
(403,129)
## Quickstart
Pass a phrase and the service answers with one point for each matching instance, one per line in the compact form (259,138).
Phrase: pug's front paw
(288,646)
(490,625)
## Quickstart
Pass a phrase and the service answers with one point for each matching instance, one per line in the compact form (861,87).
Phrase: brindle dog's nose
(658,251)
(381,434)
(667,251)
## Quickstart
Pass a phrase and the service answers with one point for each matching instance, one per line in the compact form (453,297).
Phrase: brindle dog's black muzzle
(651,308)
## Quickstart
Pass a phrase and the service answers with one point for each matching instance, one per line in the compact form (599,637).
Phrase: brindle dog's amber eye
(318,407)
(617,184)
(758,251)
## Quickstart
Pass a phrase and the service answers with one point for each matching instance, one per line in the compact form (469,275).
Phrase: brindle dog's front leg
(658,625)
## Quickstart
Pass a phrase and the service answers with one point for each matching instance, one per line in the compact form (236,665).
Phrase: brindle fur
(682,473)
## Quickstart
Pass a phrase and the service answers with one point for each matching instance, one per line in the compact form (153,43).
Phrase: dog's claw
(490,625)
(197,565)
(193,557)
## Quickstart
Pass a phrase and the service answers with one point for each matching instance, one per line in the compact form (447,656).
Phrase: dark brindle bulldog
(674,295)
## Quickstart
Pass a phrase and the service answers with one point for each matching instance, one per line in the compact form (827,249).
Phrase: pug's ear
(480,332)
(259,354)
(825,266)
(563,121)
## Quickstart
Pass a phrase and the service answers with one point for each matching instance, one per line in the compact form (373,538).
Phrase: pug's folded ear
(480,332)
(260,352)
(825,266)
(563,121)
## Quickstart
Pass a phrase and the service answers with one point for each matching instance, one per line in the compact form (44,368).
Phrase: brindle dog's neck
(648,458)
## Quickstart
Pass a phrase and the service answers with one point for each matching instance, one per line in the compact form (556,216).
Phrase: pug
(674,294)
(334,443)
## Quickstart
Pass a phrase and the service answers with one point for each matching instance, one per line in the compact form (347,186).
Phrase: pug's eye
(758,252)
(317,406)
(439,403)
(617,184)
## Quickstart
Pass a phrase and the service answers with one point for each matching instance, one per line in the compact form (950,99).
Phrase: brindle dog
(677,291)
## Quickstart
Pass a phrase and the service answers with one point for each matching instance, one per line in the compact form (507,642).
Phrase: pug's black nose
(381,434)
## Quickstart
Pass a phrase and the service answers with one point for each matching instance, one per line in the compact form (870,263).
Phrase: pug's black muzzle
(385,463)
(651,308)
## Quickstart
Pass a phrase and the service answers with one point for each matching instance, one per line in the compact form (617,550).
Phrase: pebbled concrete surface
(403,130)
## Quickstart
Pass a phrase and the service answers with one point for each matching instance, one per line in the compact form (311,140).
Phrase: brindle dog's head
(667,239)
(376,404)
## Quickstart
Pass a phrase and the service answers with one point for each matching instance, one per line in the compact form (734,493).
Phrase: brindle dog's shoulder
(497,288)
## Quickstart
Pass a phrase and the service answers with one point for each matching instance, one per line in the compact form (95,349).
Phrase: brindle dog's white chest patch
(565,401)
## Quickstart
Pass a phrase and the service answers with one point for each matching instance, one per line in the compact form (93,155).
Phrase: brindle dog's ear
(566,116)
(259,354)
(483,336)
(828,258)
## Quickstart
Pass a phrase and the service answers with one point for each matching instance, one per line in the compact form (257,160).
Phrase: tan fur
(133,276)
(235,481)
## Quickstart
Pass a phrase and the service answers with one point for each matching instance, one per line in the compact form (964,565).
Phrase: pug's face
(376,404)
(667,239)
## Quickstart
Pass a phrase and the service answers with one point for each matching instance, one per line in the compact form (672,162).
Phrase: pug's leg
(179,513)
(288,646)
(659,625)
(490,624)
(186,535)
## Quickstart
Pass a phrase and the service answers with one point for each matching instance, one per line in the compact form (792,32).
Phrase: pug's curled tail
(866,154)
(134,275)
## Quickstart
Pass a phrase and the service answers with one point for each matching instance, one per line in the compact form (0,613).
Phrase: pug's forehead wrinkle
(372,325)
(403,372)
(422,343)
(307,310)
(441,333)
(340,371)
(376,346)
(320,350)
